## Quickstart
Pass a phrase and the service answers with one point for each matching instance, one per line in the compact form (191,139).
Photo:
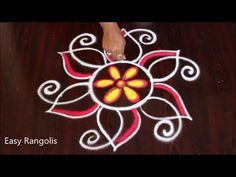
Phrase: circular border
(124,108)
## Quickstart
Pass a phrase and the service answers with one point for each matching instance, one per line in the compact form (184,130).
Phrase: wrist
(109,26)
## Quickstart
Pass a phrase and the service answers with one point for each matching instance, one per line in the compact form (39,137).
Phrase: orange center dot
(120,83)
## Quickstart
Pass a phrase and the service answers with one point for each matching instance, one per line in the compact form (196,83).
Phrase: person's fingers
(116,54)
(120,53)
(120,57)
(123,51)
(109,53)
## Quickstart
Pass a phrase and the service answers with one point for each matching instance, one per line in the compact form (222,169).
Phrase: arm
(113,41)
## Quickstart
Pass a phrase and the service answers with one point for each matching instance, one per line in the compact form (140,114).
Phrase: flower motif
(137,91)
(121,84)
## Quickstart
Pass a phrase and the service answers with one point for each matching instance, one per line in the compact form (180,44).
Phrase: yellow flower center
(118,84)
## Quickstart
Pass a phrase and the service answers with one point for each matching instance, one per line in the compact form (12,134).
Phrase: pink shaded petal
(155,54)
(132,129)
(75,114)
(70,71)
(182,109)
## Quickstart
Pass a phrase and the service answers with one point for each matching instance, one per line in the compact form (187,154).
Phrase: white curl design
(87,144)
(151,37)
(93,139)
(171,134)
(87,39)
(44,89)
(189,69)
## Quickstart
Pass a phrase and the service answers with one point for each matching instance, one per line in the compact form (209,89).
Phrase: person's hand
(113,41)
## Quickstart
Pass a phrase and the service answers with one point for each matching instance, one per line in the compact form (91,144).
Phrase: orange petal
(112,95)
(137,83)
(114,72)
(130,73)
(131,95)
(103,83)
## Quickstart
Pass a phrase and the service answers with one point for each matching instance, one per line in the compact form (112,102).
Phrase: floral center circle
(120,83)
(121,86)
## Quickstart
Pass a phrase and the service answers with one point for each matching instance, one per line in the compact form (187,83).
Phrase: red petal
(69,70)
(132,130)
(75,114)
(155,54)
(175,94)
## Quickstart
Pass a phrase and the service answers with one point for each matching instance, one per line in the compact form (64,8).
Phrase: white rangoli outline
(122,136)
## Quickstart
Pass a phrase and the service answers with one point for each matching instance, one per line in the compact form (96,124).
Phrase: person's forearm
(109,26)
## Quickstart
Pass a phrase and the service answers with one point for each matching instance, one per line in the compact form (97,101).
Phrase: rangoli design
(126,86)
